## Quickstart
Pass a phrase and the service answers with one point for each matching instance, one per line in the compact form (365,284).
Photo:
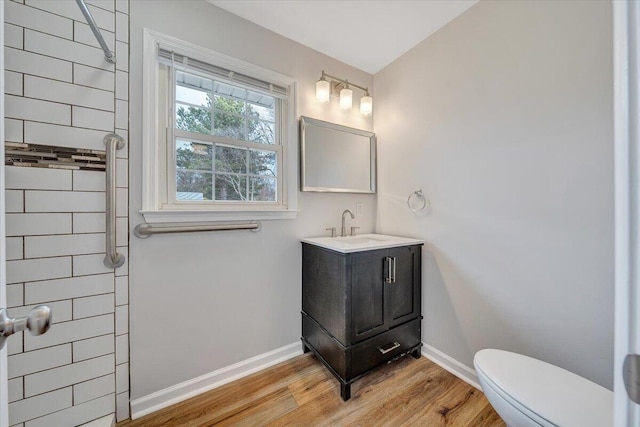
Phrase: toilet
(528,392)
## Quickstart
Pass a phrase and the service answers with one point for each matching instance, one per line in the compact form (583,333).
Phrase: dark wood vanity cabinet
(360,309)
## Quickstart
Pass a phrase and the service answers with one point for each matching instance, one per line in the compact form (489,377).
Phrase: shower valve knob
(37,322)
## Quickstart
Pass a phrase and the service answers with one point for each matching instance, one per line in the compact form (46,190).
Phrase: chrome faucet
(343,232)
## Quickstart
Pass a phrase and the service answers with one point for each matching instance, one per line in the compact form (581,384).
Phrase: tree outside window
(223,171)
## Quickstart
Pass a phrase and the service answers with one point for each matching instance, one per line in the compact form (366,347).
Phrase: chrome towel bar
(108,55)
(145,230)
(112,258)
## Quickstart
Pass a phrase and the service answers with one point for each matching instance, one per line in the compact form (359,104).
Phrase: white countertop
(363,242)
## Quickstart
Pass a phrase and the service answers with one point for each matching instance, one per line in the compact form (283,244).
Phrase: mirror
(336,158)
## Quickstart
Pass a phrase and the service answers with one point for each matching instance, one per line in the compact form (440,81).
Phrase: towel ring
(417,201)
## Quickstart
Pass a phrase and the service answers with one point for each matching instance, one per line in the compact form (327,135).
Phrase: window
(219,138)
(226,144)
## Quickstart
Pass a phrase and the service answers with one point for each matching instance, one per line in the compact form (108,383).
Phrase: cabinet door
(367,294)
(405,292)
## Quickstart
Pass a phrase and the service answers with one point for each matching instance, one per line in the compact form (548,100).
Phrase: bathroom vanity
(360,302)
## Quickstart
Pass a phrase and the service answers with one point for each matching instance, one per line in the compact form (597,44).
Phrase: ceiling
(368,35)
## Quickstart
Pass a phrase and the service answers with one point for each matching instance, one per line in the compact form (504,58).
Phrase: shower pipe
(145,230)
(112,258)
(108,55)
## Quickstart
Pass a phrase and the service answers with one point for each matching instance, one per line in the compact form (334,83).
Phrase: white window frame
(158,173)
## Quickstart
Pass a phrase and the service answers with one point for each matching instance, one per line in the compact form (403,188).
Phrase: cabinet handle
(389,278)
(394,270)
(387,350)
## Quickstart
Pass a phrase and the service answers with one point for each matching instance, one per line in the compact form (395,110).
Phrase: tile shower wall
(60,91)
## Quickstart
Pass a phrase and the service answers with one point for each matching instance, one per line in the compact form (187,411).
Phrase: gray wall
(504,118)
(203,301)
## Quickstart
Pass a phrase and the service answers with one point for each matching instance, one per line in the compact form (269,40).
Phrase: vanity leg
(416,354)
(305,349)
(345,391)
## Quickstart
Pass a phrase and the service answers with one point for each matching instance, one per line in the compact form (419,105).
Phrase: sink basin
(358,240)
(363,242)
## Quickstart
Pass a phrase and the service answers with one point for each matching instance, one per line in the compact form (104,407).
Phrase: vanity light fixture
(323,90)
(366,105)
(342,87)
(346,97)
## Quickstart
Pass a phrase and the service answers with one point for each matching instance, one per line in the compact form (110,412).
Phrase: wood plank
(259,413)
(302,392)
(307,389)
(456,405)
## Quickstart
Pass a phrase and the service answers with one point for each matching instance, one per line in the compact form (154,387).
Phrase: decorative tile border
(44,156)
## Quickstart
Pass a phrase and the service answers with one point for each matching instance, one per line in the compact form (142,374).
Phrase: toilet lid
(552,393)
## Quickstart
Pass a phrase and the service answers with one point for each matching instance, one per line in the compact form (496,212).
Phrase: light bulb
(346,95)
(323,90)
(366,105)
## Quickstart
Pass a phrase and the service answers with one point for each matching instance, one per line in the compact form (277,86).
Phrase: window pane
(193,119)
(228,118)
(231,187)
(229,159)
(260,131)
(193,92)
(192,185)
(262,163)
(229,91)
(228,105)
(233,112)
(191,96)
(263,113)
(262,189)
(194,155)
(224,170)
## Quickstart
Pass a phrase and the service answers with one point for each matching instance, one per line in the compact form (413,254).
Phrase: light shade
(323,90)
(346,96)
(366,105)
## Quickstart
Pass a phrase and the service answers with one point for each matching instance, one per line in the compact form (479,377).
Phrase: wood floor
(302,392)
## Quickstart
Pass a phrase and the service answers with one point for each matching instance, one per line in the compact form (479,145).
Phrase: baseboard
(185,390)
(447,362)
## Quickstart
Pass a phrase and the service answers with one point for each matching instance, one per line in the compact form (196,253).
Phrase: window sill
(192,216)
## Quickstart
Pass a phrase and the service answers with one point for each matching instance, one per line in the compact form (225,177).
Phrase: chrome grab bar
(145,230)
(112,258)
(108,55)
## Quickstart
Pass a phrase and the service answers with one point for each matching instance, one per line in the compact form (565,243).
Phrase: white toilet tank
(528,392)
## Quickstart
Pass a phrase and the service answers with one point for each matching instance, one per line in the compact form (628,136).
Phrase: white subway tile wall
(93,77)
(60,91)
(40,360)
(37,406)
(13,36)
(76,414)
(13,130)
(34,224)
(89,390)
(15,294)
(15,248)
(61,308)
(88,222)
(85,180)
(13,83)
(31,63)
(93,347)
(82,34)
(63,136)
(15,344)
(16,391)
